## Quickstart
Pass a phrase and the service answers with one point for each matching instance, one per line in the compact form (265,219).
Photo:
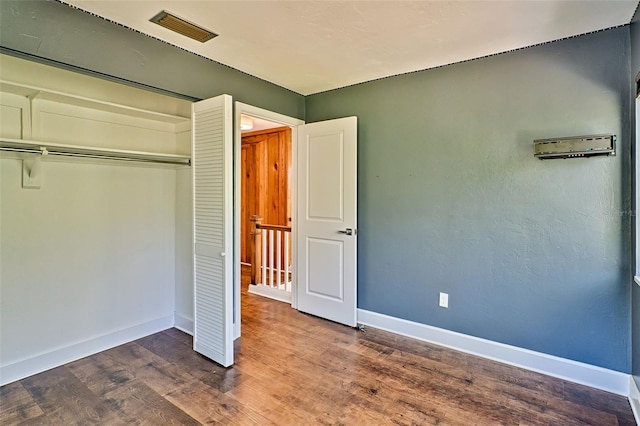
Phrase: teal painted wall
(635,69)
(533,253)
(52,31)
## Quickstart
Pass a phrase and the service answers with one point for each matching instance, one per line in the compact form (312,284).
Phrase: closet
(95,215)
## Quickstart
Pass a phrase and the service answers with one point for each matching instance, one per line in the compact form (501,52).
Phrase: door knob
(347,231)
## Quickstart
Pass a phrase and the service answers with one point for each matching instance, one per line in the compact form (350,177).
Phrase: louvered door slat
(212,192)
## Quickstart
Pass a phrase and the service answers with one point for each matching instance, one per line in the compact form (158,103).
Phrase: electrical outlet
(444,300)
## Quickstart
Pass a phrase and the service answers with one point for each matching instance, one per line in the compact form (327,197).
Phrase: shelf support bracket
(32,170)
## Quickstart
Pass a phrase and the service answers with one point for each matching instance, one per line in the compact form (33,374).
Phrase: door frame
(246,109)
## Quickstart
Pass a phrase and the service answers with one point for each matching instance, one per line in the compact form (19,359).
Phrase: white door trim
(285,120)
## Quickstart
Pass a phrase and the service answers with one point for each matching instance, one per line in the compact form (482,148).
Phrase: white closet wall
(101,253)
(184,241)
(184,251)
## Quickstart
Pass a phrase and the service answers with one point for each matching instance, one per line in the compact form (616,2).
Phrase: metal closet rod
(96,156)
(84,152)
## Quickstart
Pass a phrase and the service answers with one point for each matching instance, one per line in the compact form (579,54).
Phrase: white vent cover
(575,146)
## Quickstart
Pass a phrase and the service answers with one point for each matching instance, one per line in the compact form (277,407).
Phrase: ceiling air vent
(180,26)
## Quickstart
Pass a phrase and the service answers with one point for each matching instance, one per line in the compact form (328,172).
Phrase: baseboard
(634,399)
(573,371)
(57,357)
(183,323)
(271,293)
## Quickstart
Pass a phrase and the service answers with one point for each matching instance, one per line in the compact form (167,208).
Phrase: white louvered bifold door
(213,228)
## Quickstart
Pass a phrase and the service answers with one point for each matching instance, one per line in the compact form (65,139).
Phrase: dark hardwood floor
(295,369)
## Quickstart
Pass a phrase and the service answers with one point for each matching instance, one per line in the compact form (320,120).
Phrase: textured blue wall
(635,70)
(533,253)
(54,31)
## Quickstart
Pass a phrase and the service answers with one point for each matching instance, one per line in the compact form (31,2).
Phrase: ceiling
(314,46)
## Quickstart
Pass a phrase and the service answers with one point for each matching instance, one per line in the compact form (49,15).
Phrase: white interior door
(327,219)
(212,152)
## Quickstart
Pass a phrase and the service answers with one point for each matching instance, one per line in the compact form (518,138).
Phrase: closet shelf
(34,92)
(48,148)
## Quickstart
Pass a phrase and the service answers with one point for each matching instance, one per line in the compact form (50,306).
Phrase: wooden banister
(270,255)
(272,227)
(256,249)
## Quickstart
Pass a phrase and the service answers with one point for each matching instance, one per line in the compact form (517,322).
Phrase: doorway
(326,145)
(265,223)
(267,149)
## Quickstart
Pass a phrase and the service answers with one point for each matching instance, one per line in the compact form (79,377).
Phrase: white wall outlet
(444,300)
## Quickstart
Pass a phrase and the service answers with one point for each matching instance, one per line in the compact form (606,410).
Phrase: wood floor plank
(181,336)
(204,403)
(296,369)
(483,396)
(138,404)
(100,373)
(507,373)
(198,366)
(267,397)
(600,400)
(114,375)
(42,420)
(153,370)
(488,397)
(17,405)
(66,401)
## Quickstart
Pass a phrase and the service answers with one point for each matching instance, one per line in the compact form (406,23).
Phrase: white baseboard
(183,323)
(573,371)
(634,399)
(60,356)
(271,293)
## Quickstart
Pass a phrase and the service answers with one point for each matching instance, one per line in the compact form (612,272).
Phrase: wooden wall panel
(266,181)
(249,196)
